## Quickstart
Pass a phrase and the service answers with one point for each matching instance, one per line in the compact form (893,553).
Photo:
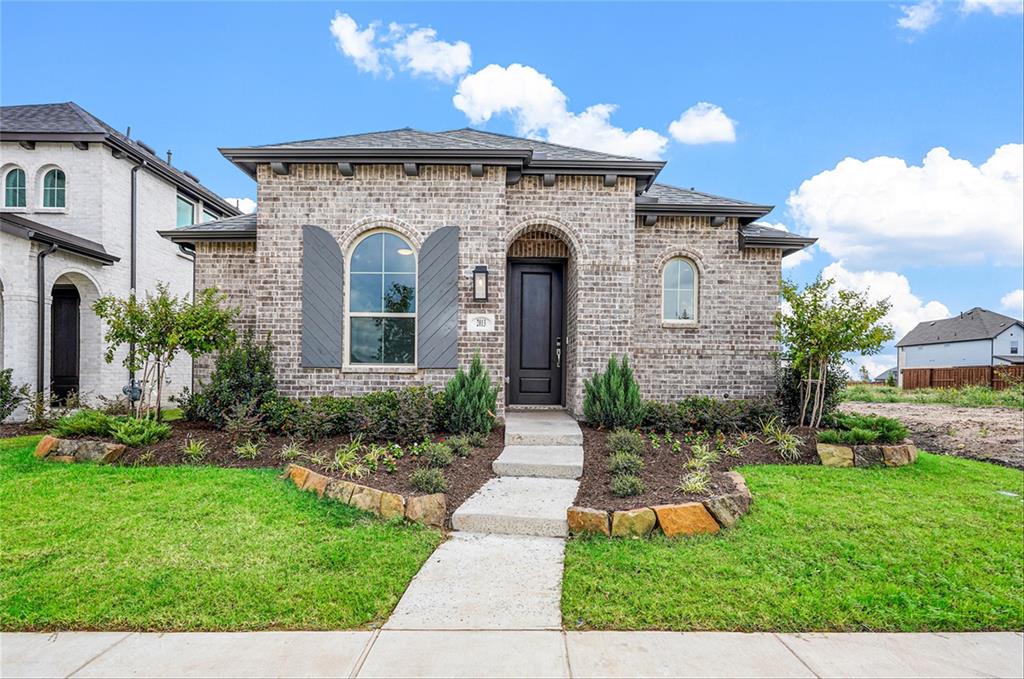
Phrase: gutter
(41,313)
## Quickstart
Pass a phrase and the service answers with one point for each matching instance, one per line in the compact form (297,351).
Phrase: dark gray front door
(536,328)
(64,319)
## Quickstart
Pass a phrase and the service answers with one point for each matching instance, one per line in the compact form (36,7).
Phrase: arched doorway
(65,339)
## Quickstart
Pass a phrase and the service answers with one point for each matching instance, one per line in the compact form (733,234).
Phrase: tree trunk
(159,386)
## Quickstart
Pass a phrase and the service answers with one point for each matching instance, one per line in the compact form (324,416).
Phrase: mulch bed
(9,431)
(663,470)
(465,476)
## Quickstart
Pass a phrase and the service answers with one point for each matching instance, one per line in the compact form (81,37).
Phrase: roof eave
(98,253)
(193,236)
(787,245)
(745,213)
(85,137)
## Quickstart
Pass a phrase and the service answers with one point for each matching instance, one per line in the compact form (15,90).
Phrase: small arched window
(382,301)
(53,188)
(679,290)
(14,188)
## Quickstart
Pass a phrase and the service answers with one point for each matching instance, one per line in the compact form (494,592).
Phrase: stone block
(297,474)
(392,506)
(728,508)
(835,456)
(899,455)
(114,452)
(429,510)
(867,456)
(316,482)
(66,459)
(366,499)
(688,518)
(586,520)
(340,491)
(741,485)
(633,522)
(46,445)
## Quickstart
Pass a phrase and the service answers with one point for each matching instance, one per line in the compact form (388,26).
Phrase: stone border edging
(78,450)
(867,455)
(688,518)
(429,510)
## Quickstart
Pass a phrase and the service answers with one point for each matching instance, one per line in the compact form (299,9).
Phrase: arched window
(14,188)
(382,301)
(679,290)
(53,188)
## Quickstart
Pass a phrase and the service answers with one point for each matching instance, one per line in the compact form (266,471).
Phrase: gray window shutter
(322,298)
(438,300)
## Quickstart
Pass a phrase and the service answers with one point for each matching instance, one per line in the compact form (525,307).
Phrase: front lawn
(931,546)
(189,548)
(965,397)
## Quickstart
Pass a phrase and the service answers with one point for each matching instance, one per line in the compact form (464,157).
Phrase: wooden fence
(980,375)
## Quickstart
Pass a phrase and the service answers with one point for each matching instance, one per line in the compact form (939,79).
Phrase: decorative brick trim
(549,224)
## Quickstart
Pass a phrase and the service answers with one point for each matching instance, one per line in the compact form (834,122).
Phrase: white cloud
(540,109)
(882,211)
(876,364)
(423,54)
(994,6)
(907,308)
(358,45)
(246,205)
(795,259)
(919,16)
(703,123)
(417,50)
(1014,302)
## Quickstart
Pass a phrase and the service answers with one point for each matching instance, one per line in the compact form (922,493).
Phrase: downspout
(132,266)
(41,313)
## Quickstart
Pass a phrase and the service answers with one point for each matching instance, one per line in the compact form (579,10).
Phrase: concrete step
(516,505)
(541,428)
(553,462)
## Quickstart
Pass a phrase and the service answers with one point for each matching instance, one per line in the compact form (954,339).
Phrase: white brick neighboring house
(368,255)
(67,214)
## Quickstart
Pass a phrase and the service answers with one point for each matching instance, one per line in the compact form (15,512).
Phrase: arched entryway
(541,313)
(75,344)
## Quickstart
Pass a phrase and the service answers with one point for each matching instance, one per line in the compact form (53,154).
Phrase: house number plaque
(480,322)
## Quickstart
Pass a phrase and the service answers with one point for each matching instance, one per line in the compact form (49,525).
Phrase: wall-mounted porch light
(480,283)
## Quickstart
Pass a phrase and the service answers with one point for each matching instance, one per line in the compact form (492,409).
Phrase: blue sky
(798,88)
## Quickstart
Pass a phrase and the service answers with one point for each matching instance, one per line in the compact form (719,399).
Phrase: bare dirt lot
(989,434)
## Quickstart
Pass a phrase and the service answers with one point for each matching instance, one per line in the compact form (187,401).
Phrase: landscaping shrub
(477,439)
(436,455)
(428,480)
(242,374)
(706,413)
(621,463)
(460,445)
(626,441)
(848,437)
(243,423)
(280,414)
(404,415)
(785,442)
(194,450)
(787,392)
(470,400)
(249,450)
(322,417)
(612,398)
(139,431)
(11,395)
(696,482)
(887,429)
(85,422)
(625,485)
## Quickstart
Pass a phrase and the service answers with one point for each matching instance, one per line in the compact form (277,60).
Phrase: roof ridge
(98,125)
(365,134)
(544,141)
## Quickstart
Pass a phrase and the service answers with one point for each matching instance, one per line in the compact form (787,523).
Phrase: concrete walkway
(510,654)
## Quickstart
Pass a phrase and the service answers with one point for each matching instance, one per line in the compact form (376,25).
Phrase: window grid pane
(382,301)
(53,189)
(14,189)
(679,299)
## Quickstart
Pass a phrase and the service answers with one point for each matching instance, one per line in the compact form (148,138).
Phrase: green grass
(969,397)
(170,414)
(931,546)
(189,548)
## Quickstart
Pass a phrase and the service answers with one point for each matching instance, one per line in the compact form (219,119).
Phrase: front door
(536,332)
(64,318)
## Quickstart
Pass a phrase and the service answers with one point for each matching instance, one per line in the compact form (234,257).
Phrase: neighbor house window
(1014,347)
(14,188)
(209,216)
(53,188)
(679,290)
(186,212)
(382,301)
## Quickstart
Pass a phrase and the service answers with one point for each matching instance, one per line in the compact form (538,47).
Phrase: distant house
(978,338)
(81,207)
(883,378)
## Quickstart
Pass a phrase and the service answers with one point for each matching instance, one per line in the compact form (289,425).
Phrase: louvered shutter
(437,332)
(323,301)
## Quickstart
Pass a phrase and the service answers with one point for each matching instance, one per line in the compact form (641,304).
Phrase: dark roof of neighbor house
(69,122)
(884,375)
(19,226)
(1015,359)
(970,325)
(240,227)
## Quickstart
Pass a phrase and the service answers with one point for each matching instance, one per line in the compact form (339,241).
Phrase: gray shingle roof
(19,226)
(975,324)
(756,234)
(404,138)
(675,195)
(240,227)
(68,118)
(542,150)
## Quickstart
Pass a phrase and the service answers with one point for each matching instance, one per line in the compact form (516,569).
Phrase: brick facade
(613,274)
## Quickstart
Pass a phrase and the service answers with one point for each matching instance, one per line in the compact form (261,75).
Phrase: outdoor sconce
(480,284)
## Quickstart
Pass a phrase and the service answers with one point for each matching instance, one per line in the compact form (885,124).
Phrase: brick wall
(231,269)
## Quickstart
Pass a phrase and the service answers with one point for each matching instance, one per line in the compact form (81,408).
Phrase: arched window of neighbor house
(53,188)
(382,300)
(14,188)
(679,290)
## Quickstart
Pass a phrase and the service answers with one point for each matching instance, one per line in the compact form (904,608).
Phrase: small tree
(470,400)
(612,398)
(865,376)
(821,326)
(160,326)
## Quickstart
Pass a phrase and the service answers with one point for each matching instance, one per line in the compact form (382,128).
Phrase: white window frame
(347,364)
(680,322)
(24,176)
(43,172)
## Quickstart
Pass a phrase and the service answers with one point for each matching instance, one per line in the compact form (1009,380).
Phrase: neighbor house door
(536,342)
(64,317)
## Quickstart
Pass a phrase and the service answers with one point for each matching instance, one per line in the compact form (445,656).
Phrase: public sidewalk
(453,653)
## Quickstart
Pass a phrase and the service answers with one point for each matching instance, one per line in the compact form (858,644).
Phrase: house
(978,339)
(885,376)
(388,259)
(81,207)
